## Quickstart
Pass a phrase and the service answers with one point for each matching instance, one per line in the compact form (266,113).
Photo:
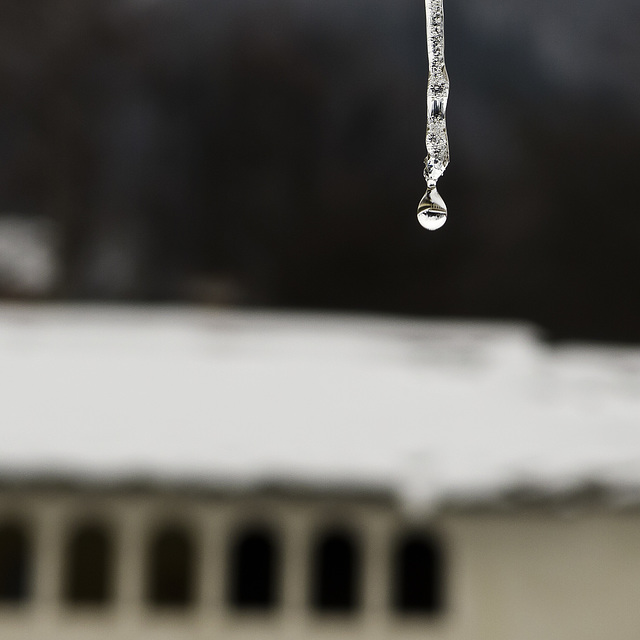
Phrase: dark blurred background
(269,152)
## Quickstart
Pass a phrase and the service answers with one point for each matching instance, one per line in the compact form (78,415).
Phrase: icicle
(432,211)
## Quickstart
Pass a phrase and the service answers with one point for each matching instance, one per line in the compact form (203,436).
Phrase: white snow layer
(422,407)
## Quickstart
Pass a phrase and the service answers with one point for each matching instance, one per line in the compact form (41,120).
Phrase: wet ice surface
(432,211)
(198,395)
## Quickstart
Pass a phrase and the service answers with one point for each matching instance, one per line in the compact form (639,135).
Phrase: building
(193,474)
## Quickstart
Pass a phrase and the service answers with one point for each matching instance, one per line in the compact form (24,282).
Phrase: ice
(432,211)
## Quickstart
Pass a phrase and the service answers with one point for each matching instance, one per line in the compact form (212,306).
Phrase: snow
(27,254)
(414,406)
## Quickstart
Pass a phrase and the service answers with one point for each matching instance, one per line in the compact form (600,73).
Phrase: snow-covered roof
(427,408)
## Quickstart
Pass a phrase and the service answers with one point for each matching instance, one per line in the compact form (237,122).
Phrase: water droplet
(432,211)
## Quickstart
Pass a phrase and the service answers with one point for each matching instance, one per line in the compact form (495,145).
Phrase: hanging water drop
(432,211)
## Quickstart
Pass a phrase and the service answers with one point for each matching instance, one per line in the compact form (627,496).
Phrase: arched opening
(252,580)
(89,567)
(14,563)
(170,576)
(336,573)
(418,575)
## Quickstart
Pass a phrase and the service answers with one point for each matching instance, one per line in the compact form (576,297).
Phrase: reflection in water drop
(432,211)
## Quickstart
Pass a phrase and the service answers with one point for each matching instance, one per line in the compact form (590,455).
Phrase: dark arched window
(14,563)
(89,567)
(418,575)
(171,571)
(335,573)
(252,579)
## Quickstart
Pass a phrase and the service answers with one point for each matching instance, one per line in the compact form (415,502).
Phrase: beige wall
(517,576)
(571,577)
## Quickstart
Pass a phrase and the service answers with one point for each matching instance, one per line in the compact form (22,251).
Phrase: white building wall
(510,576)
(555,577)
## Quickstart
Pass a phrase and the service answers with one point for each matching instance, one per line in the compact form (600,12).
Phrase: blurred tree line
(269,152)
